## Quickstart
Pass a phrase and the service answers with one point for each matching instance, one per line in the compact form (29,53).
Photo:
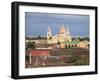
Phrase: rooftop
(71,42)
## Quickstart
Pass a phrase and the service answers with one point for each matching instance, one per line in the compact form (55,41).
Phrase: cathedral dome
(62,29)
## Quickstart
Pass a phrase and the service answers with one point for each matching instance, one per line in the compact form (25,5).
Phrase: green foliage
(77,60)
(39,36)
(30,45)
(61,62)
(83,39)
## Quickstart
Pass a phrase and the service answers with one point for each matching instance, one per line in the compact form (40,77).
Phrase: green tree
(78,60)
(30,45)
(39,36)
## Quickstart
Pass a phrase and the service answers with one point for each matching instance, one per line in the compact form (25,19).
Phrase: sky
(36,24)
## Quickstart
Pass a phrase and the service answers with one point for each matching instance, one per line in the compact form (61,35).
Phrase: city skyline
(36,24)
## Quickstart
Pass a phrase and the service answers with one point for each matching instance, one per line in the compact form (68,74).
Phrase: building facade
(63,35)
(64,39)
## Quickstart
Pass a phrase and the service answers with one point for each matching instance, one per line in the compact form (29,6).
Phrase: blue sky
(37,24)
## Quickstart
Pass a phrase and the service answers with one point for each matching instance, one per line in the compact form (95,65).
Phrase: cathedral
(62,36)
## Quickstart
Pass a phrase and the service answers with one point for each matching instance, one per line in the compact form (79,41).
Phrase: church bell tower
(49,33)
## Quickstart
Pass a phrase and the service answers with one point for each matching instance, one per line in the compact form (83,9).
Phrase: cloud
(79,24)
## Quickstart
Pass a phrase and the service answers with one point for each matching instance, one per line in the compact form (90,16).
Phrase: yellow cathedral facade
(63,35)
(64,38)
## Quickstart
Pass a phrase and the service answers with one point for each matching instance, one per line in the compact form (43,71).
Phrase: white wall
(5,41)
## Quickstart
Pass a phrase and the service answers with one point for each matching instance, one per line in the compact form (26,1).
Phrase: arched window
(66,46)
(69,46)
(72,45)
(75,45)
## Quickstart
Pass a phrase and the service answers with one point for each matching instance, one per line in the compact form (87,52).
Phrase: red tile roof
(40,52)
